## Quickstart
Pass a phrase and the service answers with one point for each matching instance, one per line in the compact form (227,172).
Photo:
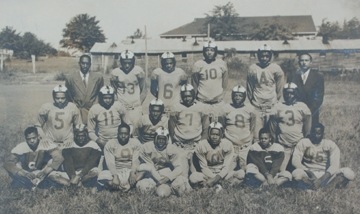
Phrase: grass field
(340,115)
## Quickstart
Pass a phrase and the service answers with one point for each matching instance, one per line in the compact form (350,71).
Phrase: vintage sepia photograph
(179,106)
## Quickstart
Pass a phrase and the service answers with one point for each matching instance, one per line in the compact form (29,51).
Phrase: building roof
(298,25)
(158,46)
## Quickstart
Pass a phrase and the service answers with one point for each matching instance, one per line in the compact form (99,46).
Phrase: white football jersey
(58,123)
(169,85)
(128,92)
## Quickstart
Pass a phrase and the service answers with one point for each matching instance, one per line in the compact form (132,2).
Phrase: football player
(32,161)
(289,122)
(210,78)
(239,122)
(317,162)
(265,81)
(82,159)
(187,123)
(56,120)
(122,159)
(164,166)
(152,121)
(166,81)
(105,117)
(129,83)
(214,157)
(264,160)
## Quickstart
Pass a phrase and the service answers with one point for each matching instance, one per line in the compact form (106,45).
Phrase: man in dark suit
(310,84)
(84,86)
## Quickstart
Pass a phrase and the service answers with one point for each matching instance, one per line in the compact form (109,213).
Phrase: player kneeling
(317,162)
(149,123)
(264,160)
(122,159)
(164,166)
(81,159)
(31,162)
(213,158)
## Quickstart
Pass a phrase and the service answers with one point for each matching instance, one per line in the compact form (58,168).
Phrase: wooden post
(102,62)
(33,63)
(2,62)
(208,32)
(106,64)
(146,56)
(159,66)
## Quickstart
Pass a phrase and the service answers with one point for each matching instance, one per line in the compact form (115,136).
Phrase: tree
(329,30)
(31,45)
(24,46)
(351,29)
(272,31)
(222,22)
(82,32)
(9,39)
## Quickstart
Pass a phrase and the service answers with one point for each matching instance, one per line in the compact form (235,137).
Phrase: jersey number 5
(60,121)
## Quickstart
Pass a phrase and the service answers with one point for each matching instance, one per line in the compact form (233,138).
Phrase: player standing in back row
(129,83)
(210,77)
(167,80)
(265,81)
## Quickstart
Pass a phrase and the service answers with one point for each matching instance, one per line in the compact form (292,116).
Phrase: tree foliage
(329,30)
(26,45)
(272,31)
(222,22)
(82,32)
(9,39)
(332,30)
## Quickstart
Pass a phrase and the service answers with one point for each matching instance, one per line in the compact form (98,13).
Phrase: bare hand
(75,180)
(164,180)
(270,179)
(132,178)
(41,175)
(212,181)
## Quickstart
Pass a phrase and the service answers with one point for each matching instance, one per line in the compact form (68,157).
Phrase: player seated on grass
(128,82)
(105,117)
(264,160)
(213,158)
(167,80)
(317,162)
(56,120)
(152,121)
(164,167)
(82,159)
(31,162)
(239,122)
(289,121)
(122,160)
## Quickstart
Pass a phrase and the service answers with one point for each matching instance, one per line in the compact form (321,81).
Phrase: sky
(120,18)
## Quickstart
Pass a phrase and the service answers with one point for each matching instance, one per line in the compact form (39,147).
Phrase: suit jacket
(84,97)
(312,92)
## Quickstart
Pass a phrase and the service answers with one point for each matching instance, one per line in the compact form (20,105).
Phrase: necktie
(84,79)
(303,76)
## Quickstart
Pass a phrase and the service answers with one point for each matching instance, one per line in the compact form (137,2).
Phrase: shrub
(59,76)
